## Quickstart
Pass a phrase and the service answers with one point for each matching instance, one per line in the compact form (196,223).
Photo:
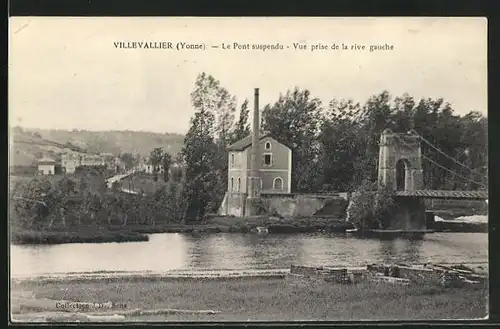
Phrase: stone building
(46,166)
(258,165)
(275,165)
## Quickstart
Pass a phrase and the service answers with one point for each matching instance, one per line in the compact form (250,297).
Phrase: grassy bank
(83,235)
(119,233)
(269,299)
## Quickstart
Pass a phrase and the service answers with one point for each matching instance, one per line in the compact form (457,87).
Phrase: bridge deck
(443,194)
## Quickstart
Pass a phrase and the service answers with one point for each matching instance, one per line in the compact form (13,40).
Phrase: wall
(237,169)
(46,169)
(233,204)
(268,178)
(281,165)
(409,214)
(298,205)
(286,205)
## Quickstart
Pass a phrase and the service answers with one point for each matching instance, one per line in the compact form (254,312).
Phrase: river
(170,251)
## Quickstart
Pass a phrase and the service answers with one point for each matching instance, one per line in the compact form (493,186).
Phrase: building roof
(246,142)
(46,161)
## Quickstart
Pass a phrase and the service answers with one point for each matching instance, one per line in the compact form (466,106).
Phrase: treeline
(335,146)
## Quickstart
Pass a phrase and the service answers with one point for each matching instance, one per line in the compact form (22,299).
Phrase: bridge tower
(400,161)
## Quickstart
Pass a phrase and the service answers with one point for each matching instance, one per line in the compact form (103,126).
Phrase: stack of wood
(433,274)
(336,275)
(306,270)
(451,279)
(458,275)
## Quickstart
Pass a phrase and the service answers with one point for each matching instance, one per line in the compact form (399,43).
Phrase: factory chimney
(254,178)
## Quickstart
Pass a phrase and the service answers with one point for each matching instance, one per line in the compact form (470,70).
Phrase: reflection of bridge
(400,169)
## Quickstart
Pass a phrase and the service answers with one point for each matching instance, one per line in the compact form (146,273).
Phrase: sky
(66,73)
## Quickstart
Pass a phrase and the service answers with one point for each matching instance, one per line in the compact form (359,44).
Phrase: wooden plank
(389,279)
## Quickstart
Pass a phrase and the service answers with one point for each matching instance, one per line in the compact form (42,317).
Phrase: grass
(135,232)
(273,299)
(143,182)
(73,236)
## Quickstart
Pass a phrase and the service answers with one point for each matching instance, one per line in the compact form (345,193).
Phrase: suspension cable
(450,171)
(448,156)
(442,167)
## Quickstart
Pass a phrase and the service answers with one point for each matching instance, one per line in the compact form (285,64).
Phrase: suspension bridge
(400,168)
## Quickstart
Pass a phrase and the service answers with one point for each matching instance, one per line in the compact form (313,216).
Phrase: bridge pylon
(400,161)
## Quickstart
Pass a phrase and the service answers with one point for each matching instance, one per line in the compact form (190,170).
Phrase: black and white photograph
(247,169)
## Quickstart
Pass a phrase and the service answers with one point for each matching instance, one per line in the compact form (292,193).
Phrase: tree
(212,131)
(242,129)
(212,97)
(128,159)
(343,146)
(156,158)
(166,163)
(295,121)
(199,153)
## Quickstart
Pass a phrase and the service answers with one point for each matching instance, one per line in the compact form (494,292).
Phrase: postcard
(167,169)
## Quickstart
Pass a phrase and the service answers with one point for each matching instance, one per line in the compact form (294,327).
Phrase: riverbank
(264,299)
(129,233)
(83,235)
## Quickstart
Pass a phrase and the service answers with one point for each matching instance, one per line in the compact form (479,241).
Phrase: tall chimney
(254,178)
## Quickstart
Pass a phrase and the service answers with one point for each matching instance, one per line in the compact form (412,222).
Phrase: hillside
(28,144)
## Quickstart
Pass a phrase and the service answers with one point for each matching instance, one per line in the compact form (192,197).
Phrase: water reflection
(243,251)
(412,250)
(387,250)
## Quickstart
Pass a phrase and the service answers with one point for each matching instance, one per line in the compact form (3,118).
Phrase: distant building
(275,165)
(145,165)
(69,162)
(119,165)
(46,166)
(91,160)
(109,160)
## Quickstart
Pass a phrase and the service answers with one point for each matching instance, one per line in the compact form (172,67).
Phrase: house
(46,166)
(275,165)
(145,165)
(91,160)
(108,159)
(69,162)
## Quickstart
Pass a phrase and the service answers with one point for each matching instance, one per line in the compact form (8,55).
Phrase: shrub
(370,209)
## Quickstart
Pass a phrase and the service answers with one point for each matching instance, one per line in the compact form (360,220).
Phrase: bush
(370,209)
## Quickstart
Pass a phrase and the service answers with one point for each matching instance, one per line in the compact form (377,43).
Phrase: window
(268,159)
(268,146)
(278,184)
(239,184)
(232,184)
(232,159)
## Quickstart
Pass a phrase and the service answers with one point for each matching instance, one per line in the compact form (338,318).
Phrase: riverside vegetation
(335,148)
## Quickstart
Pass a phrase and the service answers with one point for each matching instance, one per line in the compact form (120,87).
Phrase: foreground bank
(265,299)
